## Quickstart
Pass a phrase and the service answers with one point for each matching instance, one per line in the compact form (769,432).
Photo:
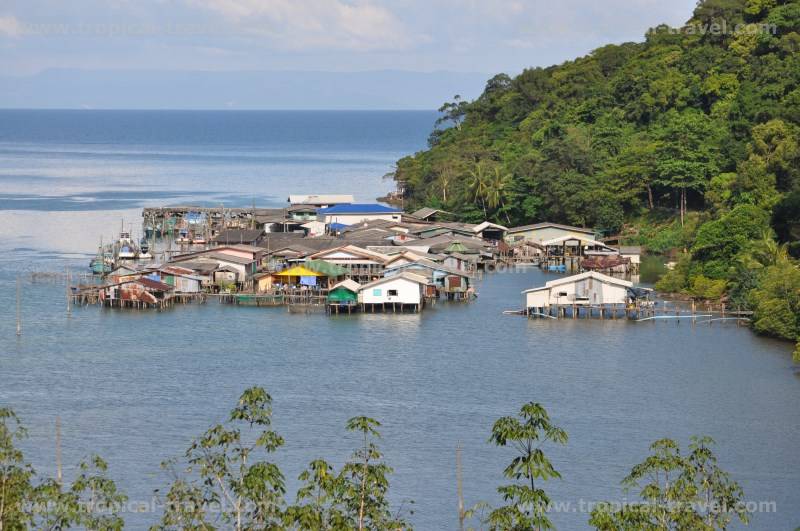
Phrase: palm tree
(496,190)
(767,252)
(477,186)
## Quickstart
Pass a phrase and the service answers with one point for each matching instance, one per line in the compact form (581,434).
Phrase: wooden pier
(639,313)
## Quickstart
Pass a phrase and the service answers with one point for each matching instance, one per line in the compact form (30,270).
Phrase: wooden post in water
(19,308)
(461,512)
(68,279)
(58,450)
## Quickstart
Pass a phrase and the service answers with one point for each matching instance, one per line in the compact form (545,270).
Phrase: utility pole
(459,489)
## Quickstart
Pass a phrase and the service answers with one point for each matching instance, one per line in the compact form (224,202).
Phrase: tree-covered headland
(687,142)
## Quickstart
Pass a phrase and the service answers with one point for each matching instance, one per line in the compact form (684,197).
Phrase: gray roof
(221,257)
(630,249)
(238,236)
(425,212)
(545,224)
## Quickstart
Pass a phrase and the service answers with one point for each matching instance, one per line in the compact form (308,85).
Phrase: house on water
(343,295)
(541,232)
(590,289)
(142,292)
(447,281)
(404,291)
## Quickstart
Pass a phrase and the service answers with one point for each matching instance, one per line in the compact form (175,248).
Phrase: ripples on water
(136,386)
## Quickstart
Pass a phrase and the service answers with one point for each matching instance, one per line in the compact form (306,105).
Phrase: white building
(540,232)
(403,289)
(356,213)
(587,289)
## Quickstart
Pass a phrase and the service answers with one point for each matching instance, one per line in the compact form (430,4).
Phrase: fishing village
(327,253)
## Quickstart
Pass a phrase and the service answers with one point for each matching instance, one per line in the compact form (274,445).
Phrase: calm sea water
(136,386)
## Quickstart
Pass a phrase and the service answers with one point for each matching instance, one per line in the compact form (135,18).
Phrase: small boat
(183,236)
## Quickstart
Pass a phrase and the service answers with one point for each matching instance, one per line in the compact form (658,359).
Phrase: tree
(320,501)
(453,112)
(497,190)
(92,500)
(526,433)
(15,474)
(227,467)
(366,480)
(478,185)
(686,157)
(776,300)
(677,491)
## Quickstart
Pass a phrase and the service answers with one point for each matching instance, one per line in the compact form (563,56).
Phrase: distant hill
(153,89)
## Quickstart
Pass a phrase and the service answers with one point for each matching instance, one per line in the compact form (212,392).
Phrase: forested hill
(688,140)
(705,115)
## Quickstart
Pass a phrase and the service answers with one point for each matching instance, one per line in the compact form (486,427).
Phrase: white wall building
(356,213)
(587,289)
(403,288)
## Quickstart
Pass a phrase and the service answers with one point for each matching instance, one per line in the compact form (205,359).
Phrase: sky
(479,36)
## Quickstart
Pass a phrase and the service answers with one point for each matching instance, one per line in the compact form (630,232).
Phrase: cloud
(10,26)
(313,24)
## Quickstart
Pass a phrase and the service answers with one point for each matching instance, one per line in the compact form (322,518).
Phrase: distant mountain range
(152,89)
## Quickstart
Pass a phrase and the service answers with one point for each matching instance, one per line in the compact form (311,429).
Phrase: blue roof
(338,226)
(359,208)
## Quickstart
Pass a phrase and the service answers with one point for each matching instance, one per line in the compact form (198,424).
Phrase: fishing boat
(126,249)
(103,261)
(144,249)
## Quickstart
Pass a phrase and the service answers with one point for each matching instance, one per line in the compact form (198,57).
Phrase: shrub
(706,288)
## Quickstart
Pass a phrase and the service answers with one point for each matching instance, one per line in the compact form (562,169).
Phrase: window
(392,293)
(562,293)
(376,292)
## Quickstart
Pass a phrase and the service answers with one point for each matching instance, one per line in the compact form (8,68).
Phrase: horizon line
(210,109)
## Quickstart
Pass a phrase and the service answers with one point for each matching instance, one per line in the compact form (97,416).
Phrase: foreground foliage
(677,492)
(227,480)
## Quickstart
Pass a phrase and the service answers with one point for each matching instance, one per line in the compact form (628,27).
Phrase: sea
(136,386)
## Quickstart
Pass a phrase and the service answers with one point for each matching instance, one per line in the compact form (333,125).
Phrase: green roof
(456,247)
(326,268)
(342,294)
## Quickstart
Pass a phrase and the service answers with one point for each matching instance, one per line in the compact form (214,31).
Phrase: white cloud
(10,26)
(314,24)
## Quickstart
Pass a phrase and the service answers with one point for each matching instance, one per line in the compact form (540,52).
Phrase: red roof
(156,285)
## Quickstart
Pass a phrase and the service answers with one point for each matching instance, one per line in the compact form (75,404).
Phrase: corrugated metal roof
(359,208)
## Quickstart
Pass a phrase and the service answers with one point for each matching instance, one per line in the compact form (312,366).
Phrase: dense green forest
(685,142)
